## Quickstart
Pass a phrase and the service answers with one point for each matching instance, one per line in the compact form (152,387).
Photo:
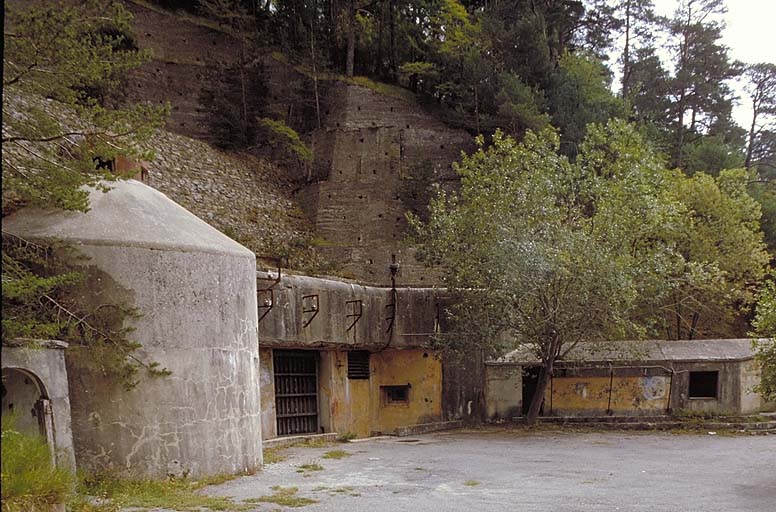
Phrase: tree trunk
(541,387)
(626,53)
(351,54)
(394,59)
(752,129)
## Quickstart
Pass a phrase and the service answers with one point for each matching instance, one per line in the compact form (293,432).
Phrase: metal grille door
(296,391)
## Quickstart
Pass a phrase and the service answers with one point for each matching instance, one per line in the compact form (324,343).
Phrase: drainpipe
(611,382)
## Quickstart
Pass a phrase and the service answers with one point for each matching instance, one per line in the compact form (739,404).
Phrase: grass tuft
(336,454)
(29,480)
(309,467)
(284,496)
(472,483)
(346,437)
(180,495)
(274,455)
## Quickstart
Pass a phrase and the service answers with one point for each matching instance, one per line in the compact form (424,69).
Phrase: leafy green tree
(765,327)
(638,21)
(233,100)
(581,95)
(761,86)
(700,95)
(545,253)
(61,53)
(720,256)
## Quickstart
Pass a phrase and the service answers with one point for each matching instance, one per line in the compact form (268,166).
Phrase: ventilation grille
(358,364)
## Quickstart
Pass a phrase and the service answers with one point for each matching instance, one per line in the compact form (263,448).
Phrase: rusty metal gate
(296,391)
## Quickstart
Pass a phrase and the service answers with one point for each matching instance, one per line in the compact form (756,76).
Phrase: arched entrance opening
(24,398)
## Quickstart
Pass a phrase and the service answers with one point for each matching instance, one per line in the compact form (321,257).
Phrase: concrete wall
(43,367)
(357,406)
(729,394)
(640,389)
(750,377)
(585,394)
(198,321)
(503,391)
(328,326)
(370,143)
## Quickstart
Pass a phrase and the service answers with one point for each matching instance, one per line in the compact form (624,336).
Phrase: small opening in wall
(374,171)
(358,364)
(391,109)
(408,127)
(370,261)
(704,384)
(395,394)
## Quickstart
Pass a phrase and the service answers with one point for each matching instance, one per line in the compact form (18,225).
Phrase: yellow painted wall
(576,395)
(418,368)
(356,405)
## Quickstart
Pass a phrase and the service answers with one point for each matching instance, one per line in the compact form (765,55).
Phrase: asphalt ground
(516,470)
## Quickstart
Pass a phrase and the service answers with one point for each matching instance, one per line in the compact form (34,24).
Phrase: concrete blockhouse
(342,357)
(196,292)
(634,378)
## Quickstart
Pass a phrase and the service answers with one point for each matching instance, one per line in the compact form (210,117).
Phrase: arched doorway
(24,397)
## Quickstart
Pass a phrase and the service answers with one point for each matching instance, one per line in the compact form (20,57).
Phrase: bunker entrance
(530,381)
(296,391)
(24,398)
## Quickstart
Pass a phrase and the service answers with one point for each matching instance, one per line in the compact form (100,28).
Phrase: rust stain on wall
(581,395)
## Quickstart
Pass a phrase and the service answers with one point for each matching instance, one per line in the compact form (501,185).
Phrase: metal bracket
(391,316)
(266,304)
(358,311)
(313,308)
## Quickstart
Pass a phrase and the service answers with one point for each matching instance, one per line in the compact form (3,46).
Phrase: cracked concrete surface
(506,470)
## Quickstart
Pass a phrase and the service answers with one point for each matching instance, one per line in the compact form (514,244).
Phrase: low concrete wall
(46,362)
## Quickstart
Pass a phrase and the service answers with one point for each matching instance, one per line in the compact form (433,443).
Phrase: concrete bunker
(637,378)
(195,290)
(341,357)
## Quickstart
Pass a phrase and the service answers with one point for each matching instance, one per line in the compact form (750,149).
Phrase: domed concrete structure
(196,291)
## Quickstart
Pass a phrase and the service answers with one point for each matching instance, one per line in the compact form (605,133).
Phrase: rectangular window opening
(704,384)
(396,394)
(358,364)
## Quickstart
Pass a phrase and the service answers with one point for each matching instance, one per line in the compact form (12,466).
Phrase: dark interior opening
(396,394)
(703,384)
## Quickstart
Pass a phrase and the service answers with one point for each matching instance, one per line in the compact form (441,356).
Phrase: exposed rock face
(196,291)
